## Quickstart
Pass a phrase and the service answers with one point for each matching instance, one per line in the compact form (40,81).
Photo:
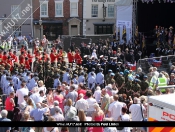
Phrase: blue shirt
(4,129)
(37,113)
(100,78)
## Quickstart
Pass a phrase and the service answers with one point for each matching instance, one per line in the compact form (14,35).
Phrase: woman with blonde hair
(50,129)
(41,86)
(98,115)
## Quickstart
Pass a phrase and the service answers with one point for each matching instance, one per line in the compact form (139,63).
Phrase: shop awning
(36,22)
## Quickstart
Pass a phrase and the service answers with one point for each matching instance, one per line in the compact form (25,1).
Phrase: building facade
(59,17)
(99,17)
(16,18)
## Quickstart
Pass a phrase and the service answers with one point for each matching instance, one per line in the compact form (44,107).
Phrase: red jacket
(30,57)
(70,57)
(53,57)
(22,59)
(15,58)
(78,59)
(27,64)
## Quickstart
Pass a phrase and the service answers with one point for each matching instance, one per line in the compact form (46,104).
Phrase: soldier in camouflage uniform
(126,72)
(136,88)
(111,80)
(40,69)
(35,64)
(50,79)
(107,76)
(117,75)
(128,86)
(144,86)
(121,83)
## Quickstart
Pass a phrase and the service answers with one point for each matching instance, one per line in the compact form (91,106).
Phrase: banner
(88,124)
(124,19)
(127,24)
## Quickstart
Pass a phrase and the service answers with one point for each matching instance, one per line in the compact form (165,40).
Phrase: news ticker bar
(87,124)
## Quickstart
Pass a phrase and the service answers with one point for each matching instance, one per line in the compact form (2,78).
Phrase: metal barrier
(163,63)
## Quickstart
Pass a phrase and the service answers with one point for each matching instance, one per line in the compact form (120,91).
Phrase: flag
(124,33)
(118,34)
(136,36)
(143,42)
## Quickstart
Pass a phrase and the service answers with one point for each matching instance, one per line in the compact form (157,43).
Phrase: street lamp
(40,23)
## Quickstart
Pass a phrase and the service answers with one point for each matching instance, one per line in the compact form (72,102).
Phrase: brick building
(59,17)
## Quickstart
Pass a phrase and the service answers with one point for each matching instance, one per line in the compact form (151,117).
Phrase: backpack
(17,114)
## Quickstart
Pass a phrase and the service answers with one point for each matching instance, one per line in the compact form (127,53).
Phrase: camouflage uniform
(135,88)
(128,87)
(144,86)
(121,81)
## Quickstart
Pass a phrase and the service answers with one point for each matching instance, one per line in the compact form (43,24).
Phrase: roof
(36,22)
(166,100)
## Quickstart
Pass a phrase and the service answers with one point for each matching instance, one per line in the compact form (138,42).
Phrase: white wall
(88,4)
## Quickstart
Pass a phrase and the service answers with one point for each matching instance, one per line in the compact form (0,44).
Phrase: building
(59,17)
(16,18)
(99,17)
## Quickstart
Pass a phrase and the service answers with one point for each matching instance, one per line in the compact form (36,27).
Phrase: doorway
(74,30)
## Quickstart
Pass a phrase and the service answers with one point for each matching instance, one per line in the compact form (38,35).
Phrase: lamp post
(40,23)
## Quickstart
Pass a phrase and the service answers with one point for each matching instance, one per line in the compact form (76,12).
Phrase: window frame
(59,2)
(71,9)
(13,7)
(41,3)
(92,15)
(113,11)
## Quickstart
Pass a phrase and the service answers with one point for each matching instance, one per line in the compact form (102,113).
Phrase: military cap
(112,74)
(59,65)
(85,69)
(117,69)
(75,75)
(137,80)
(121,73)
(58,75)
(145,76)
(130,78)
(93,69)
(101,69)
(35,74)
(85,56)
(109,70)
(137,75)
(36,78)
(119,62)
(98,64)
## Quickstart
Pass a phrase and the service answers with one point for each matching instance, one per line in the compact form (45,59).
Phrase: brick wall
(51,13)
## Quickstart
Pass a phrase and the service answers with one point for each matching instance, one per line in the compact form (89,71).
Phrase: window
(59,9)
(110,10)
(94,11)
(16,30)
(74,9)
(44,9)
(103,29)
(16,11)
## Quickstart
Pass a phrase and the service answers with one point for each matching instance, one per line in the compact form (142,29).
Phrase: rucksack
(17,114)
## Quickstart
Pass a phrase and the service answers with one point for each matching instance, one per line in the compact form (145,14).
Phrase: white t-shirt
(125,118)
(97,96)
(136,113)
(20,93)
(115,109)
(91,102)
(35,97)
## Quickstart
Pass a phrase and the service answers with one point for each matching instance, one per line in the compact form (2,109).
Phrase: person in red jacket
(14,57)
(1,54)
(22,58)
(27,64)
(23,49)
(4,57)
(10,53)
(70,56)
(53,58)
(10,63)
(78,58)
(30,57)
(81,90)
(54,49)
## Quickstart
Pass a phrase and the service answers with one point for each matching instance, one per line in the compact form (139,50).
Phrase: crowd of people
(93,83)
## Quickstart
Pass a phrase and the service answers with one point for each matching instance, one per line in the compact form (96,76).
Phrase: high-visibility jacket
(153,83)
(162,81)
